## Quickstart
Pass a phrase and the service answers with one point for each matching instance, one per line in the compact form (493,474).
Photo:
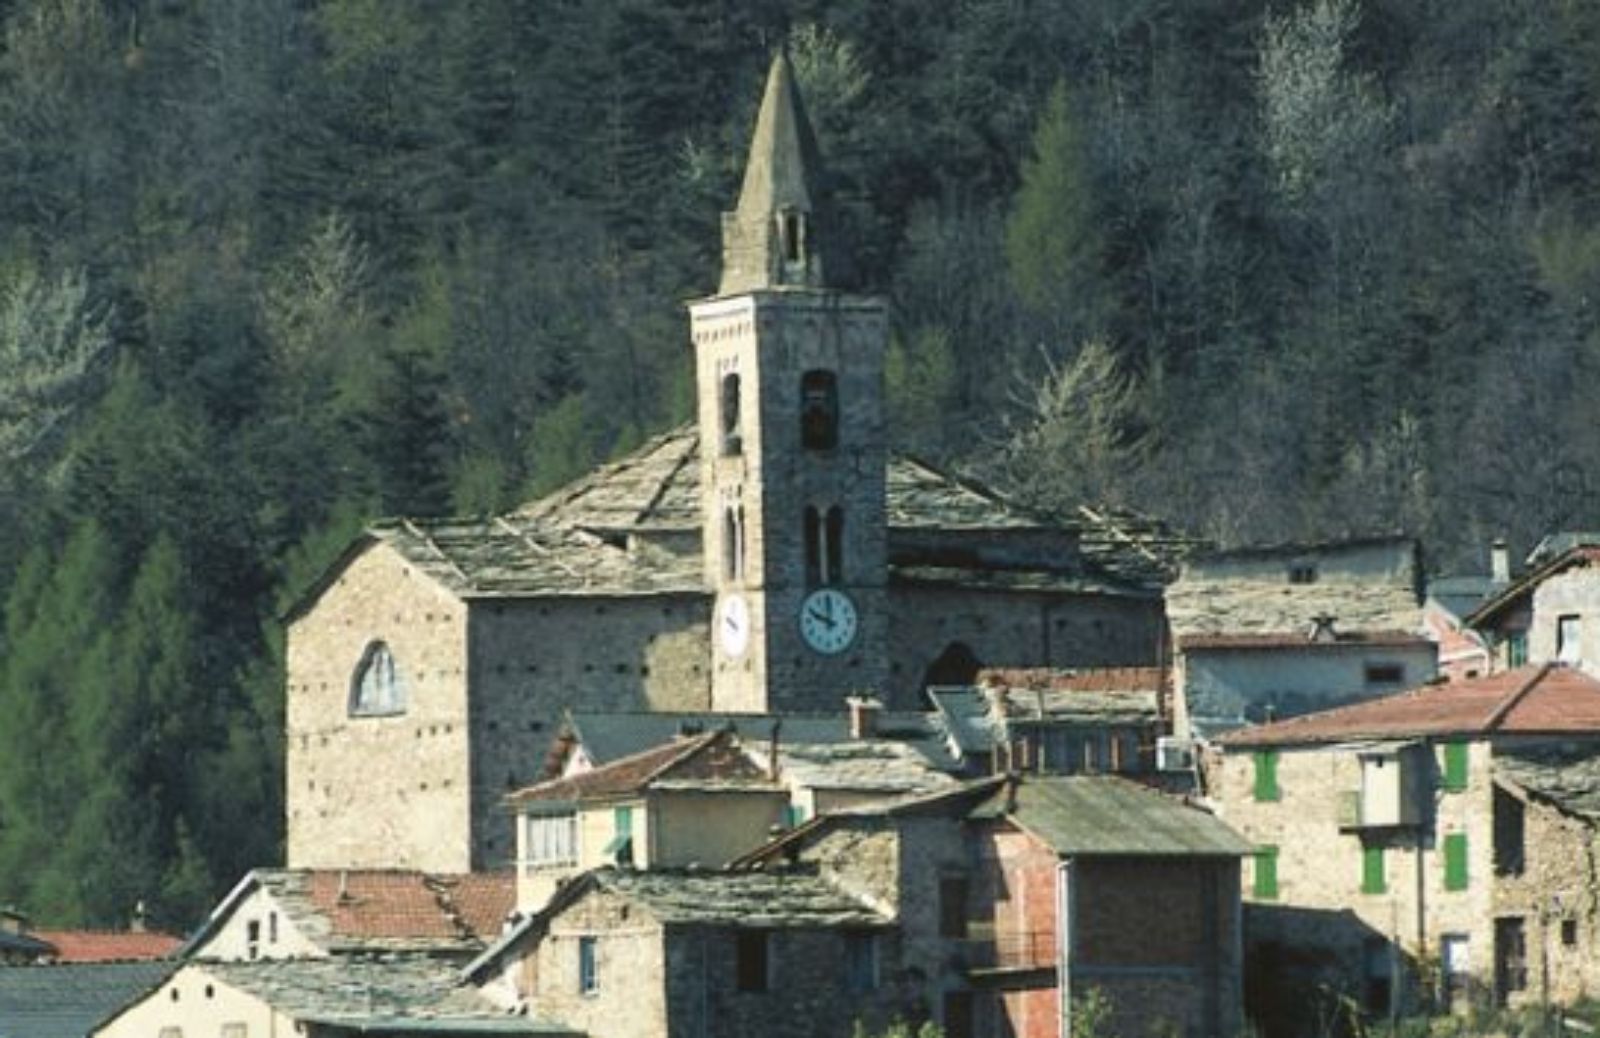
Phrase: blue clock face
(828,621)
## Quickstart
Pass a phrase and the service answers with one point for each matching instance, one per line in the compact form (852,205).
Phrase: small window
(953,906)
(1303,573)
(750,950)
(860,963)
(1266,767)
(377,689)
(170,1032)
(733,543)
(252,937)
(1569,933)
(1373,878)
(1454,779)
(1569,640)
(272,928)
(588,966)
(1455,861)
(1378,965)
(1385,673)
(819,410)
(1516,648)
(235,1031)
(1265,886)
(824,545)
(620,849)
(791,229)
(1508,834)
(552,840)
(732,433)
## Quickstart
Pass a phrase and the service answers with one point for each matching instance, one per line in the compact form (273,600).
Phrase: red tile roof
(1286,640)
(402,905)
(107,945)
(1547,700)
(712,757)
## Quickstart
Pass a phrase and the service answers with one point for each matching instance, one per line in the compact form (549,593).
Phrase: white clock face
(828,621)
(733,625)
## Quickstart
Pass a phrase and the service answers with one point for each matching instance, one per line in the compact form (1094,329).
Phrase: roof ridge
(1498,714)
(695,745)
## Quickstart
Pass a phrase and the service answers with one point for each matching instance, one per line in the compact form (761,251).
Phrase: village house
(1055,722)
(69,1000)
(695,800)
(773,558)
(620,953)
(1271,632)
(328,913)
(1552,612)
(1449,828)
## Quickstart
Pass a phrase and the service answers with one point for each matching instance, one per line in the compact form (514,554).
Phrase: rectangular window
(953,906)
(1378,964)
(819,410)
(1373,878)
(1455,767)
(1266,775)
(1510,958)
(1303,573)
(170,1032)
(1569,645)
(1455,861)
(751,963)
(1569,933)
(551,840)
(1516,648)
(1508,834)
(1385,674)
(620,849)
(588,966)
(235,1031)
(1266,873)
(860,962)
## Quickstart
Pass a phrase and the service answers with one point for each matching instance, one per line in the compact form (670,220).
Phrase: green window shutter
(1266,878)
(1373,880)
(1266,775)
(1517,649)
(1455,861)
(1455,767)
(622,821)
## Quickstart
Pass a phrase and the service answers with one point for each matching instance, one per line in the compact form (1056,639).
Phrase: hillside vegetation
(269,267)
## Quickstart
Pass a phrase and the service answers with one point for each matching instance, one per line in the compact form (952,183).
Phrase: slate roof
(710,760)
(1098,696)
(387,993)
(864,766)
(69,1000)
(1460,595)
(1580,553)
(1213,597)
(108,945)
(23,944)
(608,735)
(1267,640)
(346,911)
(757,899)
(1541,700)
(1106,816)
(1565,775)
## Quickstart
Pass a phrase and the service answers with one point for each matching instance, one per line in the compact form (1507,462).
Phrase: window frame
(819,409)
(1374,874)
(752,961)
(730,405)
(551,839)
(588,965)
(1453,849)
(1264,882)
(390,697)
(1569,639)
(1455,772)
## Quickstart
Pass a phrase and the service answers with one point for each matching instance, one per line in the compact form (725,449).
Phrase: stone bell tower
(789,372)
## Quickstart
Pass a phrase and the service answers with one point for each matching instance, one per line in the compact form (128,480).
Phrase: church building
(774,557)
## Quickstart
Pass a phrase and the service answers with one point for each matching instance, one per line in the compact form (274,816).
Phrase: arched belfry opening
(956,665)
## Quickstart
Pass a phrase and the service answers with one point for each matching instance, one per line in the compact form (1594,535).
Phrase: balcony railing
(1011,951)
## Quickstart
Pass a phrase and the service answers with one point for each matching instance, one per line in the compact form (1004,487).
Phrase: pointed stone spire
(773,238)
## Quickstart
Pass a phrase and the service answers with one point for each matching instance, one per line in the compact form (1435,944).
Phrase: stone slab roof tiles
(710,759)
(1579,553)
(389,994)
(1105,816)
(70,1000)
(657,487)
(355,910)
(766,899)
(1543,700)
(108,945)
(866,765)
(1565,775)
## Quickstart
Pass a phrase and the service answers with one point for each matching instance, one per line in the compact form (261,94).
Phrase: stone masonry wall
(1575,592)
(1320,907)
(630,996)
(378,791)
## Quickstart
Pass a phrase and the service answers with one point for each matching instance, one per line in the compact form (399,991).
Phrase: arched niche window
(733,543)
(378,687)
(824,539)
(792,235)
(732,438)
(819,410)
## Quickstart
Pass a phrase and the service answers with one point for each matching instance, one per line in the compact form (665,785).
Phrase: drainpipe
(1065,925)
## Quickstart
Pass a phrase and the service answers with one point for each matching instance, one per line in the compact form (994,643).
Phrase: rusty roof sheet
(366,910)
(713,758)
(758,899)
(1547,700)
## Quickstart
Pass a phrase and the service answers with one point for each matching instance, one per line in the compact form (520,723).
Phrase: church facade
(775,557)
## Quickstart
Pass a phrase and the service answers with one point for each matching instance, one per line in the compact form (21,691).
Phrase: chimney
(12,921)
(1499,561)
(1322,629)
(864,711)
(138,924)
(772,749)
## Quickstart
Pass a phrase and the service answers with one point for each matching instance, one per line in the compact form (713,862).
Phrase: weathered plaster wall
(712,828)
(1575,592)
(629,1000)
(195,1003)
(279,939)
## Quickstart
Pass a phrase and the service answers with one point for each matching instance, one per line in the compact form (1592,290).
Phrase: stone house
(389,994)
(1055,722)
(975,880)
(696,800)
(773,558)
(1444,833)
(1552,612)
(634,954)
(329,913)
(1278,631)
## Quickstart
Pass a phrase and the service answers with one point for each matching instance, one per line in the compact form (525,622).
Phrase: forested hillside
(268,267)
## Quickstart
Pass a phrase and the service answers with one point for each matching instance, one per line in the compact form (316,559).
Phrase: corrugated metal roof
(1105,816)
(69,1000)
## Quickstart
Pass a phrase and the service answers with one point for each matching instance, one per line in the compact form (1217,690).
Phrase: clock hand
(824,618)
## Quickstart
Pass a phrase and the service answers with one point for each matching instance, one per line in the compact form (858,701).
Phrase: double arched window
(377,688)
